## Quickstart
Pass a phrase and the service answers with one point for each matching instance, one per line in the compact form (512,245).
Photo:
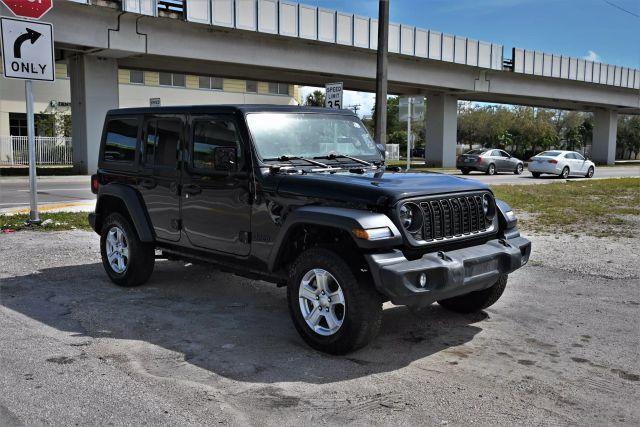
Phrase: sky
(599,30)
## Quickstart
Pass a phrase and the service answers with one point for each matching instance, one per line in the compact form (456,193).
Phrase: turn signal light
(372,233)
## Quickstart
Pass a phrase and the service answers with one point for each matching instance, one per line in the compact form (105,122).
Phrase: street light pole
(381,73)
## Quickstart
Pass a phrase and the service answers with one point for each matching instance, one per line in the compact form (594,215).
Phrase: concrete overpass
(284,41)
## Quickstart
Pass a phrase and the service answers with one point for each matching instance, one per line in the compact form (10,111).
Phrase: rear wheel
(478,300)
(535,174)
(127,260)
(465,171)
(332,310)
(590,172)
(519,169)
(565,172)
(491,170)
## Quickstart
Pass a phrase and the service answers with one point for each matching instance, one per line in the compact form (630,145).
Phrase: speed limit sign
(333,95)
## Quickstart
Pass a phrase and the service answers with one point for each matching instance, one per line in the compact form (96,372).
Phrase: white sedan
(561,163)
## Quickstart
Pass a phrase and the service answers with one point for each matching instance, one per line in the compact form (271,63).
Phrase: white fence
(392,152)
(14,150)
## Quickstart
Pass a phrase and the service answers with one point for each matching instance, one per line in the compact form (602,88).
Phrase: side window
(569,156)
(578,156)
(121,138)
(150,142)
(495,153)
(504,154)
(167,136)
(210,134)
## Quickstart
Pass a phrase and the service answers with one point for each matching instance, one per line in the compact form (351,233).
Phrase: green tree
(315,99)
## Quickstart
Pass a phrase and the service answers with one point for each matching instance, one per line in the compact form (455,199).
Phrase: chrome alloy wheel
(117,249)
(321,301)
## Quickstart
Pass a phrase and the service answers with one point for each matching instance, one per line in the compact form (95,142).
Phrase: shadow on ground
(233,327)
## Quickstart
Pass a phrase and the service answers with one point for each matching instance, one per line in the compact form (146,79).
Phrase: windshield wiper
(290,158)
(344,156)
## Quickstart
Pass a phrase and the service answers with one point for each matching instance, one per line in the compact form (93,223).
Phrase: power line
(621,8)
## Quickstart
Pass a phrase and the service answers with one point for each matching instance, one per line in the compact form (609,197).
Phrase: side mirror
(225,159)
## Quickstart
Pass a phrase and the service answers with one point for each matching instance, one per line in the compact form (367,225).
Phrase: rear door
(160,178)
(216,202)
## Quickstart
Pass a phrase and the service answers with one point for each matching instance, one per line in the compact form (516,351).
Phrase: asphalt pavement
(74,193)
(198,347)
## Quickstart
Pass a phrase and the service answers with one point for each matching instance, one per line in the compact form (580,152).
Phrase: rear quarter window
(120,140)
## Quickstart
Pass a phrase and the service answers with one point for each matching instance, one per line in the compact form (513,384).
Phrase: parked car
(489,161)
(299,197)
(561,163)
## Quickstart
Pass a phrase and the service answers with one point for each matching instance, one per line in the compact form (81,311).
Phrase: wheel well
(108,205)
(304,236)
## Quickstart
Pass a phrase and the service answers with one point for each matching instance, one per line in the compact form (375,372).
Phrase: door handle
(192,189)
(148,183)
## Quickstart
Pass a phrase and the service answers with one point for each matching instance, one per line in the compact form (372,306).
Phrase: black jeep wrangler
(300,197)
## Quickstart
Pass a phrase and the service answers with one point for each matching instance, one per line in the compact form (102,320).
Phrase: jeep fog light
(422,280)
(372,233)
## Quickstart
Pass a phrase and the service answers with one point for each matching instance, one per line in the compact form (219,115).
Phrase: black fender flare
(339,218)
(134,205)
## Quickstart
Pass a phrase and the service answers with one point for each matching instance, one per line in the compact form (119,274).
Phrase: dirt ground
(195,346)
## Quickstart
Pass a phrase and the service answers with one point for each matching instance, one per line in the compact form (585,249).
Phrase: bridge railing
(291,19)
(564,67)
(14,150)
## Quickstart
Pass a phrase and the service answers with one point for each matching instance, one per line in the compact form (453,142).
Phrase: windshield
(310,135)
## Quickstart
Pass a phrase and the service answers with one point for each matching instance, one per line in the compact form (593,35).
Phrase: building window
(279,88)
(206,82)
(172,79)
(252,86)
(17,124)
(136,77)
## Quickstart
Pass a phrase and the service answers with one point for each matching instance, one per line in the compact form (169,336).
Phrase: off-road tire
(491,169)
(519,169)
(363,304)
(590,172)
(536,174)
(141,254)
(465,171)
(565,172)
(478,300)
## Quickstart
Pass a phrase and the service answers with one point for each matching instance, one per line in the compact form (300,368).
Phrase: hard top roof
(228,108)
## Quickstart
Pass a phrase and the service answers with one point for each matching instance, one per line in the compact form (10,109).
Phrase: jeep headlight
(411,217)
(488,207)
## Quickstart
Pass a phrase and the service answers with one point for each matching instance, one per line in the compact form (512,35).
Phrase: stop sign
(33,9)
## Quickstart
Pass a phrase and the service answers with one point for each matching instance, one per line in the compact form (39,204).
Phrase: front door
(160,177)
(216,202)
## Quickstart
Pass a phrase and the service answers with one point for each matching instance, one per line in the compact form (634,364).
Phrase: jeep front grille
(451,218)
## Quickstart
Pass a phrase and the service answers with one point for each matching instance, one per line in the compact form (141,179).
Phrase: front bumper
(449,274)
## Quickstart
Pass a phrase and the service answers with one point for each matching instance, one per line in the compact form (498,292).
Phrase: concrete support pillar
(94,91)
(605,130)
(442,130)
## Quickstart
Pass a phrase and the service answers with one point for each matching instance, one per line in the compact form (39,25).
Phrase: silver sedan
(561,163)
(489,161)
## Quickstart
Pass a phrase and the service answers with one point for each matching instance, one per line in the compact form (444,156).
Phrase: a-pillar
(441,130)
(94,91)
(605,130)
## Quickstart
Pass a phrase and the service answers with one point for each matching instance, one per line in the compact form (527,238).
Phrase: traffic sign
(33,9)
(333,95)
(27,50)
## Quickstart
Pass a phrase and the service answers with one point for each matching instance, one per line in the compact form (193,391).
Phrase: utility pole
(381,73)
(354,107)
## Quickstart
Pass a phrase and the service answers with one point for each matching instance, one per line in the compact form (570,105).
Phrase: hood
(367,189)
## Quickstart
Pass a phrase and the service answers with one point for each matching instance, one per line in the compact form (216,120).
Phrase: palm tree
(315,99)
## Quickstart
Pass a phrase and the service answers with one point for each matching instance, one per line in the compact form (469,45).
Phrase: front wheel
(332,310)
(127,260)
(478,300)
(535,174)
(519,169)
(590,172)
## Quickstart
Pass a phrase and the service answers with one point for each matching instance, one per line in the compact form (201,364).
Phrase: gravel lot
(196,346)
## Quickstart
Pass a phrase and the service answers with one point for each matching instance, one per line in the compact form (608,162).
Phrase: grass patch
(50,222)
(603,207)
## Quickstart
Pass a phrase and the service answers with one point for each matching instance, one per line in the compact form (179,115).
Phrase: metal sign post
(27,54)
(409,103)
